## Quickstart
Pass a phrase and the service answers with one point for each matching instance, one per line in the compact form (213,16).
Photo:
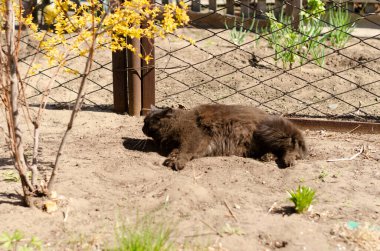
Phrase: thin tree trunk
(15,131)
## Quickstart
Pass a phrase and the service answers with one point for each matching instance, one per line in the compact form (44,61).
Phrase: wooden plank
(218,20)
(337,126)
(119,75)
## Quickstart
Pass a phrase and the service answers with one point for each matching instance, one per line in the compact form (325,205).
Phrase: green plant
(291,45)
(282,39)
(302,198)
(237,35)
(322,175)
(11,176)
(318,54)
(341,26)
(230,230)
(145,235)
(15,242)
(314,9)
(311,41)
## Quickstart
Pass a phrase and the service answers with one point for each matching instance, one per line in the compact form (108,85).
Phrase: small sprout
(302,198)
(16,241)
(341,26)
(228,229)
(237,36)
(11,176)
(323,174)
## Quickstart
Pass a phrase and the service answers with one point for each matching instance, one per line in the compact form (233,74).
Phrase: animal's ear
(154,108)
(168,112)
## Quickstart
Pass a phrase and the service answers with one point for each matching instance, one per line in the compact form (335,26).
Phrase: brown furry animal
(222,130)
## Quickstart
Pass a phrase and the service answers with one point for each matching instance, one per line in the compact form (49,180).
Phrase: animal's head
(294,146)
(156,121)
(281,137)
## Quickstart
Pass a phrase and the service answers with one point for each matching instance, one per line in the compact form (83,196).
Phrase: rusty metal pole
(134,78)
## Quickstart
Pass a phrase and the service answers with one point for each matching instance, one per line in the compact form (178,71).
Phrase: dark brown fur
(222,130)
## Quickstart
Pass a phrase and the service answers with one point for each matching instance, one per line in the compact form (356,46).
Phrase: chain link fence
(64,90)
(247,52)
(283,65)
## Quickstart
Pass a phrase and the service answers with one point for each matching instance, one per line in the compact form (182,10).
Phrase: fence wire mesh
(285,70)
(64,90)
(253,56)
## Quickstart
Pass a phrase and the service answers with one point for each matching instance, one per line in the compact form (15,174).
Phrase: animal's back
(230,127)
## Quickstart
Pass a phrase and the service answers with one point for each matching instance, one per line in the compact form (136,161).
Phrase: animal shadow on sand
(5,162)
(143,145)
(12,199)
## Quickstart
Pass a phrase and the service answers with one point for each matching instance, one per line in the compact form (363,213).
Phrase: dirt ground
(109,169)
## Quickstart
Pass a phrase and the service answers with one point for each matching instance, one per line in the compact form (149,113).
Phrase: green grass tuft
(145,235)
(302,198)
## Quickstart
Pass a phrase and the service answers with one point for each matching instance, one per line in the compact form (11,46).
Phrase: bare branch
(77,106)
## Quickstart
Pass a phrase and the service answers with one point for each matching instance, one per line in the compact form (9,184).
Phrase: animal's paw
(286,162)
(174,164)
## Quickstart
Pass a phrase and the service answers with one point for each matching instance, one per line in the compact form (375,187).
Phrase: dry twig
(350,158)
(212,228)
(229,209)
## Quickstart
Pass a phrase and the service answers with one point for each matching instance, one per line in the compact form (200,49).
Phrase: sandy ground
(109,169)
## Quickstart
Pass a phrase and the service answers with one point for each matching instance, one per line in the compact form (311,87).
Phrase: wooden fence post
(261,9)
(293,9)
(196,5)
(213,5)
(148,75)
(119,74)
(297,6)
(278,8)
(134,78)
(246,8)
(230,7)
